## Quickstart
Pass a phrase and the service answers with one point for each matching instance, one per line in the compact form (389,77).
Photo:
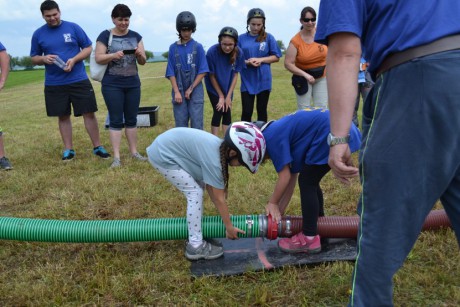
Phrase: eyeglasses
(309,19)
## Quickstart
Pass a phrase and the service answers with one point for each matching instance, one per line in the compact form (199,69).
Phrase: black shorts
(59,98)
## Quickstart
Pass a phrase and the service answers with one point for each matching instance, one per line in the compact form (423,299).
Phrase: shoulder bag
(97,71)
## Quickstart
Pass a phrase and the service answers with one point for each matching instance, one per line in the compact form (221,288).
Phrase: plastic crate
(147,116)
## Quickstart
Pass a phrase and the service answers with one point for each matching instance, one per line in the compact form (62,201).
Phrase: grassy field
(157,273)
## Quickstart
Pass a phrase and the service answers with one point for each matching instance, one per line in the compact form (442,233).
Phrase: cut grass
(157,273)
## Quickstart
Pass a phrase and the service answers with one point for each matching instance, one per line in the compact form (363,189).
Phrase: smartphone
(129,51)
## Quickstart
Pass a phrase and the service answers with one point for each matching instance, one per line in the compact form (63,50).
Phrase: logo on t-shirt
(262,46)
(189,58)
(67,37)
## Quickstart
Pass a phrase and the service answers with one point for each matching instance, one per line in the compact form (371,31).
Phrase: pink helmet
(248,141)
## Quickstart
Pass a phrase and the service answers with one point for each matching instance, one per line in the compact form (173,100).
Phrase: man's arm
(343,57)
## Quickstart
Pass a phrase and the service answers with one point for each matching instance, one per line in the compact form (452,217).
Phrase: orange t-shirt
(308,55)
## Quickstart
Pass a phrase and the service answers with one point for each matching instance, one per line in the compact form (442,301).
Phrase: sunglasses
(309,19)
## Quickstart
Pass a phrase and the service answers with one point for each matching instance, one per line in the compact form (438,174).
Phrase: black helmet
(185,20)
(255,13)
(229,31)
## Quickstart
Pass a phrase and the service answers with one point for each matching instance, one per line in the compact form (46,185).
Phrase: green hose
(24,229)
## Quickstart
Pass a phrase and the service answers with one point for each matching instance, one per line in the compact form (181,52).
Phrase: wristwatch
(334,140)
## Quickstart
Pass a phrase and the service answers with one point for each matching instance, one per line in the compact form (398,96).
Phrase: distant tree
(165,54)
(281,45)
(14,61)
(149,54)
(26,61)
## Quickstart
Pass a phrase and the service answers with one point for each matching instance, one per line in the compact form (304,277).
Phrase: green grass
(157,273)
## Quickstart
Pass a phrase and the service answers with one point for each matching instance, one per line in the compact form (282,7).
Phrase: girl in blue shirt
(186,68)
(225,61)
(297,145)
(260,49)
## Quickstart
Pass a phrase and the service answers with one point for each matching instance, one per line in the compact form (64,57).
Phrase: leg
(92,128)
(216,115)
(311,196)
(114,100)
(451,202)
(355,111)
(248,106)
(131,108)
(319,92)
(181,116)
(303,101)
(196,107)
(262,104)
(391,218)
(193,192)
(65,128)
(2,148)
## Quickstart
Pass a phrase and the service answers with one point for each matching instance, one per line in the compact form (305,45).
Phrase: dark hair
(224,152)
(48,5)
(234,54)
(121,10)
(305,10)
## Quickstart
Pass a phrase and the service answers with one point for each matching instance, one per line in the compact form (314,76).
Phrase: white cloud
(153,19)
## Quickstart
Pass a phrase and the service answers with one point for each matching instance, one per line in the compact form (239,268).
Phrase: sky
(155,20)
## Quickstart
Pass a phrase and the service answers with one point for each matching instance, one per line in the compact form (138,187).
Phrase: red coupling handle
(272,228)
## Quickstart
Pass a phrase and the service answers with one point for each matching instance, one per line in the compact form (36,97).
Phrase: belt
(443,44)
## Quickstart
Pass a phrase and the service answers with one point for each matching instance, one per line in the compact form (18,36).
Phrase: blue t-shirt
(123,72)
(193,150)
(185,52)
(388,26)
(220,67)
(257,79)
(66,41)
(301,138)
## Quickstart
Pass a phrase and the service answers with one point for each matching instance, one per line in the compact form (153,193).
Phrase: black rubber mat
(257,254)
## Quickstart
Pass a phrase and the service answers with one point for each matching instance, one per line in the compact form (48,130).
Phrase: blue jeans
(409,159)
(123,105)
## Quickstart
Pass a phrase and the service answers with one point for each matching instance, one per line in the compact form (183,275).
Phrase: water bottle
(59,62)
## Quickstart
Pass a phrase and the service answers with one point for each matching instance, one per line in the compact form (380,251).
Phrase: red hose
(342,227)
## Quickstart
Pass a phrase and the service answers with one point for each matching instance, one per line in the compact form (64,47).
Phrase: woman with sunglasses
(306,59)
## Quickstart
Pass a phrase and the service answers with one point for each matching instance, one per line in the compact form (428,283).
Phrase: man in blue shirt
(409,156)
(62,47)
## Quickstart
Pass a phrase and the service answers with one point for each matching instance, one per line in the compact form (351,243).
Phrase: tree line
(26,61)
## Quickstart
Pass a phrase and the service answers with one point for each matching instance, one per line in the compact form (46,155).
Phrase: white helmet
(249,143)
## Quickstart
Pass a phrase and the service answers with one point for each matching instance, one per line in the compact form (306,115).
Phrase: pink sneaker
(300,244)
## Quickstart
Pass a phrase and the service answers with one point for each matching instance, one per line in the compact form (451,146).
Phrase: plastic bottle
(59,62)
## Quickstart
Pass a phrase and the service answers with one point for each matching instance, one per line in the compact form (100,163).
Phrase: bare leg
(215,130)
(92,128)
(115,139)
(2,149)
(131,135)
(65,128)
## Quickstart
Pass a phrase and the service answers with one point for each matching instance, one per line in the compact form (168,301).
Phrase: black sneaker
(101,152)
(68,155)
(5,164)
